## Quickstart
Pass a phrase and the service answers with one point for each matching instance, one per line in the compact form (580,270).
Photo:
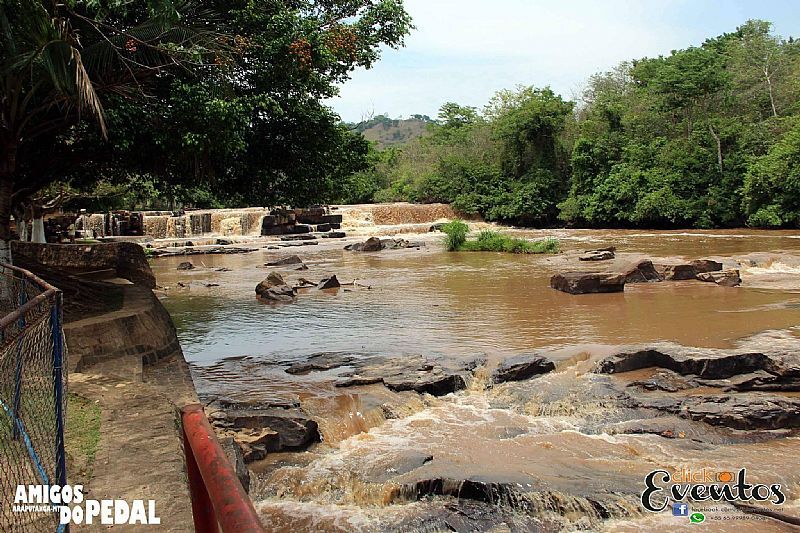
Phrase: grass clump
(456,235)
(493,241)
(82,434)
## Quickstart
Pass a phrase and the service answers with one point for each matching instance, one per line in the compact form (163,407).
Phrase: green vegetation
(493,241)
(208,102)
(82,433)
(455,235)
(708,136)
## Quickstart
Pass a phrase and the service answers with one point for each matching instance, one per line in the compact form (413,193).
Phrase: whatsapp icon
(697,518)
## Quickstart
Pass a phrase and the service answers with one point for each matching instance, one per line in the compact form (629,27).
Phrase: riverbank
(124,361)
(396,377)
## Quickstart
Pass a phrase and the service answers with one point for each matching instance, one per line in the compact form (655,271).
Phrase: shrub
(492,241)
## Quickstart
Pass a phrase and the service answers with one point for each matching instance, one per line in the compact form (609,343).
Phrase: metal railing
(219,502)
(32,395)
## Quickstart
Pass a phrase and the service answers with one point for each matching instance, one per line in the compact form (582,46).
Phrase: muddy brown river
(551,453)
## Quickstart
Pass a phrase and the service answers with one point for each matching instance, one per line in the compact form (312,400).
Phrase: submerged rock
(603,254)
(588,282)
(186,265)
(290,260)
(522,367)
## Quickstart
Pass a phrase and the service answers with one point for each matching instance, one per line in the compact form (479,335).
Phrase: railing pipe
(219,502)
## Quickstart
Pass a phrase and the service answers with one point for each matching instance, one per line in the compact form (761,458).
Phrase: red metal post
(217,494)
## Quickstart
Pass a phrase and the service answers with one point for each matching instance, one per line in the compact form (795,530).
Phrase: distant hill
(388,132)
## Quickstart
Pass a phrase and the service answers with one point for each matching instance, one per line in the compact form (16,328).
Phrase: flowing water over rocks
(459,392)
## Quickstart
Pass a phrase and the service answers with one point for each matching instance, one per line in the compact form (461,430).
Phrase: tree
(58,59)
(218,94)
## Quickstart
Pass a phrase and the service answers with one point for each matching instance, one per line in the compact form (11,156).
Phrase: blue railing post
(58,389)
(23,298)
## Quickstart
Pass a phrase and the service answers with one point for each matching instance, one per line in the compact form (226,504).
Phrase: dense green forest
(708,136)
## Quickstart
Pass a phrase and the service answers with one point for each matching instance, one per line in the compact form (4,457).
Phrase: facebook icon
(680,509)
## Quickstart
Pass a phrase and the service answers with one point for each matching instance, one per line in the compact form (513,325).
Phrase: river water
(454,305)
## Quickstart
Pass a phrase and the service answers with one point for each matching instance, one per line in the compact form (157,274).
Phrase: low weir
(259,221)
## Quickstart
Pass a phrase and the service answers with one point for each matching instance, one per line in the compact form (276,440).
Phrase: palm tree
(59,59)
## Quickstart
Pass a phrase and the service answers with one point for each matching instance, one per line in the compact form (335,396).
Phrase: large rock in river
(588,282)
(274,288)
(642,272)
(522,367)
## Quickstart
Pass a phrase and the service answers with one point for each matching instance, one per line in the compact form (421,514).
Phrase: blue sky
(466,50)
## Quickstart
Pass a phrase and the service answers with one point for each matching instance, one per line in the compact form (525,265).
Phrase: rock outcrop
(588,282)
(522,367)
(404,373)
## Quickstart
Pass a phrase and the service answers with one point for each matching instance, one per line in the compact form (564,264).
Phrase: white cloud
(465,50)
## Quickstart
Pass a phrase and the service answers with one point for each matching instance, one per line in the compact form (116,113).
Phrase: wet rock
(588,282)
(399,244)
(298,238)
(677,272)
(373,244)
(436,227)
(274,288)
(522,367)
(322,228)
(403,373)
(750,410)
(295,430)
(704,363)
(664,380)
(400,462)
(329,283)
(236,457)
(464,516)
(334,235)
(725,278)
(741,411)
(642,272)
(225,242)
(286,261)
(321,362)
(704,266)
(186,265)
(604,254)
(435,383)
